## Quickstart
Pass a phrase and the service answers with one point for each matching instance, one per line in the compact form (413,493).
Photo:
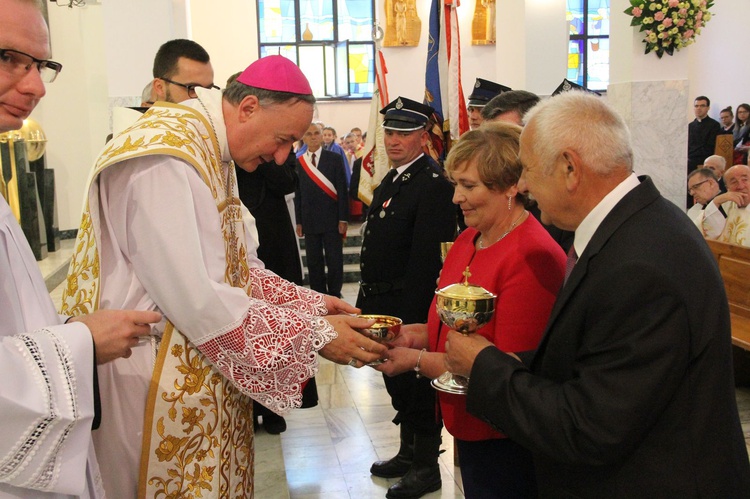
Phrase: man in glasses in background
(704,187)
(179,66)
(47,404)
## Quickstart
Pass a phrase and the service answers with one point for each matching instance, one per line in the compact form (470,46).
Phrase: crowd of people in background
(717,182)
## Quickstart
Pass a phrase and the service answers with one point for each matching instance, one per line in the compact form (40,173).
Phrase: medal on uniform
(385,205)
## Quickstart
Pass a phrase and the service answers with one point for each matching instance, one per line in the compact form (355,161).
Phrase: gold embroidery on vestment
(198,434)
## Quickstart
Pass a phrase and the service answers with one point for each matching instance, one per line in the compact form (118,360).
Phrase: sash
(198,428)
(319,179)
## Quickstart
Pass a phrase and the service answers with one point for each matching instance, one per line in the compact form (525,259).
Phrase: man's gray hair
(148,90)
(586,124)
(236,91)
(721,161)
(514,100)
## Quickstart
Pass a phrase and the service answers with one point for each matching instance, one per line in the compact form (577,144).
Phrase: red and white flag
(375,160)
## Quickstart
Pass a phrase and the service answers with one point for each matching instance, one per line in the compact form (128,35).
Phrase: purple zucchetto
(277,73)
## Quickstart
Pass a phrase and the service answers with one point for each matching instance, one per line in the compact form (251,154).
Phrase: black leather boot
(399,464)
(424,475)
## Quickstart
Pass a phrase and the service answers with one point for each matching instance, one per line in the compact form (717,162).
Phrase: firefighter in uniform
(410,215)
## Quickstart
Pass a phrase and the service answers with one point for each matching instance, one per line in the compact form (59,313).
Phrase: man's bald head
(737,179)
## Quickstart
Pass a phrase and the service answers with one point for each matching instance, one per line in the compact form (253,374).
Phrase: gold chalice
(445,247)
(385,329)
(465,308)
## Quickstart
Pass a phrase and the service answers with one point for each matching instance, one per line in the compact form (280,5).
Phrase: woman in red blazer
(510,254)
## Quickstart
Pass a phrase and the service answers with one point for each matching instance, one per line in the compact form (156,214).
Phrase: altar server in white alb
(47,367)
(163,230)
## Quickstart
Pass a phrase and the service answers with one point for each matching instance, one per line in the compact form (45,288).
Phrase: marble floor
(326,451)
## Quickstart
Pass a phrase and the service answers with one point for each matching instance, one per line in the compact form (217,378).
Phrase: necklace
(512,226)
(228,196)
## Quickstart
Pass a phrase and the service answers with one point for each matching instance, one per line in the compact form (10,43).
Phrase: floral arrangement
(669,24)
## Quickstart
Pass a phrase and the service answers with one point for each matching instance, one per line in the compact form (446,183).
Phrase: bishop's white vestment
(163,230)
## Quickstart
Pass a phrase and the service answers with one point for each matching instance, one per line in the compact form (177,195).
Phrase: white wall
(74,113)
(719,65)
(134,31)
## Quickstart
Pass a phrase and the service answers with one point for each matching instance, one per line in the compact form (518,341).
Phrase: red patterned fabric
(270,353)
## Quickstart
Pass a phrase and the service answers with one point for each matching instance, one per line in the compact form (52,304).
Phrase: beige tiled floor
(327,450)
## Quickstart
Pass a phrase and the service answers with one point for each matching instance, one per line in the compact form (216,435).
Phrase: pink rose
(674,3)
(659,16)
(637,11)
(680,23)
(699,15)
(682,12)
(667,22)
(688,34)
(698,24)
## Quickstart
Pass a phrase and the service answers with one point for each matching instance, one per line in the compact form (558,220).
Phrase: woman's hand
(398,360)
(411,336)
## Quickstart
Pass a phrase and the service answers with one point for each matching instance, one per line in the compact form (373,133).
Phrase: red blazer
(525,270)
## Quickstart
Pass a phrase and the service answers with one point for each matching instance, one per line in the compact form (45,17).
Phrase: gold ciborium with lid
(465,308)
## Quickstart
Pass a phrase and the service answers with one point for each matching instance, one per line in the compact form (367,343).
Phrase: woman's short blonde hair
(494,147)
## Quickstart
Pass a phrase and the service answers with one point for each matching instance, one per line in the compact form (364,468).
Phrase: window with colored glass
(330,40)
(588,48)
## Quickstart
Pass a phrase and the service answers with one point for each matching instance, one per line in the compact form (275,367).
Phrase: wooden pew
(734,264)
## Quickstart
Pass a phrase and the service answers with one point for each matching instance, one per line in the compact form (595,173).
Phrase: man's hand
(351,347)
(299,230)
(461,351)
(342,229)
(116,332)
(740,199)
(338,306)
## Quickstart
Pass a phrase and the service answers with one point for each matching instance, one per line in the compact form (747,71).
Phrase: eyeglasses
(695,187)
(190,87)
(19,64)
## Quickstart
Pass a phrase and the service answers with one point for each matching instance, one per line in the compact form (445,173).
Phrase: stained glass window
(330,40)
(588,49)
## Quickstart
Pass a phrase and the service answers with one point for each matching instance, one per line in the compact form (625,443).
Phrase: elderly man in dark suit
(411,213)
(321,205)
(630,392)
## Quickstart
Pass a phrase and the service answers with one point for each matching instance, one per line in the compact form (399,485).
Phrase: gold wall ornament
(483,31)
(403,26)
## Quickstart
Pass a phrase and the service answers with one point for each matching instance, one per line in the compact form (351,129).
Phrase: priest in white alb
(727,217)
(47,396)
(163,230)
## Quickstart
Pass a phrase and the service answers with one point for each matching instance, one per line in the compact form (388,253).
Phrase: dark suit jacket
(314,209)
(630,392)
(403,246)
(263,191)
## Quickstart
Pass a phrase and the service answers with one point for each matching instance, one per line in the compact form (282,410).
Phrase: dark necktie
(570,263)
(388,179)
(313,160)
